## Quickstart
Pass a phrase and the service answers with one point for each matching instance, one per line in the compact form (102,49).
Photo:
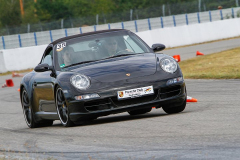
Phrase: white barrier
(191,34)
(29,57)
(20,58)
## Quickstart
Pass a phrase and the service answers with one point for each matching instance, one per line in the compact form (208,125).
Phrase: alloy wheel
(62,108)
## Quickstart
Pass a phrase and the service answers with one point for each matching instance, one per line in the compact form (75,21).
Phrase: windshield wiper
(79,63)
(120,55)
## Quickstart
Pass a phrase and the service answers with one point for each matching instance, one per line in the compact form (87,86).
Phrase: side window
(48,57)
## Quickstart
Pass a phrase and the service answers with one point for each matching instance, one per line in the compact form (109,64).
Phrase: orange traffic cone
(190,99)
(9,83)
(199,53)
(16,74)
(177,58)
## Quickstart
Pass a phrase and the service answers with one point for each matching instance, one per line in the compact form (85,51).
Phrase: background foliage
(50,14)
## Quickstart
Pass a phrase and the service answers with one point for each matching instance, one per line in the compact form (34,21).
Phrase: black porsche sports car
(85,76)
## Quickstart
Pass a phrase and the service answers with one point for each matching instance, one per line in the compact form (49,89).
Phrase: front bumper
(109,104)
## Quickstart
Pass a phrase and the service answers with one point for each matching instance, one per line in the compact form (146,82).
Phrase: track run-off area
(208,129)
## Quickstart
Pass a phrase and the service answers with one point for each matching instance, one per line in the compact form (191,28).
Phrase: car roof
(86,34)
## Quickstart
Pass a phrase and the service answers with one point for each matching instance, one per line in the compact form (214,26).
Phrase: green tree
(47,10)
(30,15)
(10,13)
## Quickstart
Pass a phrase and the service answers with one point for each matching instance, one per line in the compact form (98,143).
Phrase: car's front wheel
(175,109)
(62,108)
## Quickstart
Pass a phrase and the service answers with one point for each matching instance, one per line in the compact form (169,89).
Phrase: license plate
(136,92)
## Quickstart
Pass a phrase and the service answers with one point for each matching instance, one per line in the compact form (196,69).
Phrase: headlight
(80,81)
(168,65)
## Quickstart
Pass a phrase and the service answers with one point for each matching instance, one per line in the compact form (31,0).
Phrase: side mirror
(42,67)
(158,47)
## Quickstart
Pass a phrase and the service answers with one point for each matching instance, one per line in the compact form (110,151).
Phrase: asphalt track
(208,129)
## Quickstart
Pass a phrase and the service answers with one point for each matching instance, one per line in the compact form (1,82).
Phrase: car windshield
(96,47)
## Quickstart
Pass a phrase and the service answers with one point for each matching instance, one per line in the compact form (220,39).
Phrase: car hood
(120,68)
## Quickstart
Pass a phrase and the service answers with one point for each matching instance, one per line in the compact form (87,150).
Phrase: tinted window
(97,47)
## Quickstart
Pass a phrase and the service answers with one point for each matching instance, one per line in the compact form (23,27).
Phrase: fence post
(66,33)
(3,42)
(35,38)
(95,28)
(174,21)
(162,22)
(186,19)
(131,13)
(221,14)
(210,16)
(20,42)
(122,25)
(109,27)
(149,24)
(62,23)
(50,32)
(97,16)
(136,26)
(198,15)
(233,13)
(81,30)
(29,28)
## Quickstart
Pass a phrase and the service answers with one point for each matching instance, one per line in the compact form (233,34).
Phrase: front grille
(136,100)
(98,105)
(170,91)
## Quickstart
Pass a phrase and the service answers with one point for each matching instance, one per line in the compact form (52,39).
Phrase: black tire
(27,110)
(140,111)
(62,108)
(177,109)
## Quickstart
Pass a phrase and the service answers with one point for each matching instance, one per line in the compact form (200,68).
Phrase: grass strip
(221,65)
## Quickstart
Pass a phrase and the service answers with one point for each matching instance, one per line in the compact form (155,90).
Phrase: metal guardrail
(45,37)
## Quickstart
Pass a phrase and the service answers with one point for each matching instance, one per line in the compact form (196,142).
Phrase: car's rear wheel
(176,109)
(62,108)
(139,111)
(27,110)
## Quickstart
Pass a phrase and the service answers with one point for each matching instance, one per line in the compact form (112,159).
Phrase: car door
(43,85)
